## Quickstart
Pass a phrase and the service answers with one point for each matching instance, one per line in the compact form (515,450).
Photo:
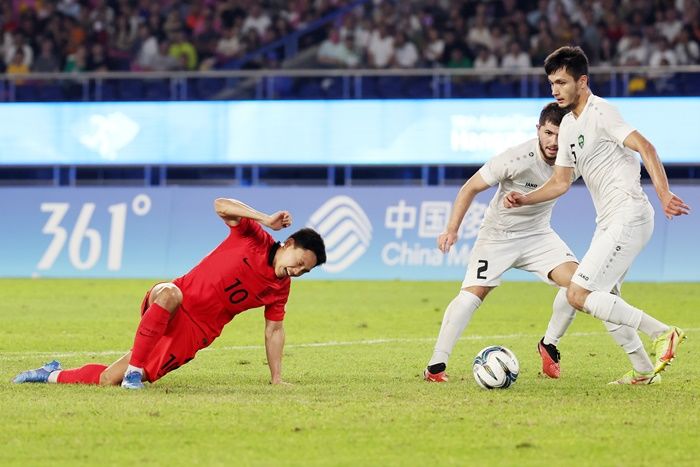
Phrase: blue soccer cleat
(40,375)
(132,380)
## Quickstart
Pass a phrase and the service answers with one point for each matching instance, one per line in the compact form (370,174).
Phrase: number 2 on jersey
(483,266)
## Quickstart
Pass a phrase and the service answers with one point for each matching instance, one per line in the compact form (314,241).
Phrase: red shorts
(179,344)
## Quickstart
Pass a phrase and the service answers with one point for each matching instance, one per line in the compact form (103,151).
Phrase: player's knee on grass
(168,296)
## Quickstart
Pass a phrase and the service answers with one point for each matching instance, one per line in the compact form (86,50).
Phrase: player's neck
(581,103)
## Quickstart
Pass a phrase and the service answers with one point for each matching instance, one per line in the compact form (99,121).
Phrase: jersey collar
(271,252)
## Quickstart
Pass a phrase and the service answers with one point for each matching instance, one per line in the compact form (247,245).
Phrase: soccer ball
(495,367)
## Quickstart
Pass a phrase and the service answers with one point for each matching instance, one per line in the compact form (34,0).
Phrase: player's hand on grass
(279,220)
(673,205)
(514,200)
(445,240)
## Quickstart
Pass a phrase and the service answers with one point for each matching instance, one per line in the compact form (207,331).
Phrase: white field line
(9,356)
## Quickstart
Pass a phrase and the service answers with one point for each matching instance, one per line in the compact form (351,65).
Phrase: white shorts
(539,254)
(612,251)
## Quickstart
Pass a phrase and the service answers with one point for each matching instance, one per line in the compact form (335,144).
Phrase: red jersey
(236,276)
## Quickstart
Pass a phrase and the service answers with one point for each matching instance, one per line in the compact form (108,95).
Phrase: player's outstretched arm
(232,210)
(274,347)
(558,184)
(672,204)
(464,199)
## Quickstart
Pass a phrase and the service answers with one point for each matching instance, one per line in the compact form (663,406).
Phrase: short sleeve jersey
(522,169)
(593,145)
(233,278)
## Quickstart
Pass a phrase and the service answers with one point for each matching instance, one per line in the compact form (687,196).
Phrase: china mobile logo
(108,134)
(345,229)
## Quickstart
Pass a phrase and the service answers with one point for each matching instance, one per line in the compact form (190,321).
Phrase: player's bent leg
(164,300)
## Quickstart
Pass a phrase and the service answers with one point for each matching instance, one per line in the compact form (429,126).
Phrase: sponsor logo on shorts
(582,276)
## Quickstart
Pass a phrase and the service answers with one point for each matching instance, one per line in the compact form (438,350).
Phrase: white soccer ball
(495,367)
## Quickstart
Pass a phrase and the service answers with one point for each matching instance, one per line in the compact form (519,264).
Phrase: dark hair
(309,239)
(553,114)
(572,59)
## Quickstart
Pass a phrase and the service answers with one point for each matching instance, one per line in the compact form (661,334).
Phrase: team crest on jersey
(580,141)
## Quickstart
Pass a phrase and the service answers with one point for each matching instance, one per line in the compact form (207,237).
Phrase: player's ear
(289,243)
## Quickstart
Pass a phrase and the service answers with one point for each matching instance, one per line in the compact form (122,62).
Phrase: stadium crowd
(100,35)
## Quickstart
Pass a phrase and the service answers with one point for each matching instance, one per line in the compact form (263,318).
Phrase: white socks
(53,377)
(651,326)
(609,307)
(457,316)
(562,316)
(630,342)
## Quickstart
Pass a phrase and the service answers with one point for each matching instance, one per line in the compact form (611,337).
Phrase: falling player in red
(179,318)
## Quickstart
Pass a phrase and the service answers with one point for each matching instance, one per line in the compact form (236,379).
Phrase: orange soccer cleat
(550,359)
(435,373)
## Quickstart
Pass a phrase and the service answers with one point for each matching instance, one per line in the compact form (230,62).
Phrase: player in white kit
(597,144)
(521,239)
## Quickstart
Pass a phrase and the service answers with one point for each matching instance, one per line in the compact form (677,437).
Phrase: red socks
(152,326)
(88,374)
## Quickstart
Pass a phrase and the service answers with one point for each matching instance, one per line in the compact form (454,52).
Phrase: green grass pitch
(355,352)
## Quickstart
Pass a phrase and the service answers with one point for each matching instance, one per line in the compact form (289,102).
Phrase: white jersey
(522,169)
(592,145)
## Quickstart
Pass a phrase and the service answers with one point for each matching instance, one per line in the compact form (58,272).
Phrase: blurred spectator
(17,66)
(380,50)
(229,45)
(77,61)
(480,34)
(183,50)
(515,58)
(17,43)
(434,47)
(124,37)
(458,59)
(485,60)
(146,47)
(687,49)
(163,60)
(335,53)
(671,25)
(405,52)
(662,54)
(542,45)
(69,8)
(97,59)
(46,61)
(257,21)
(634,52)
